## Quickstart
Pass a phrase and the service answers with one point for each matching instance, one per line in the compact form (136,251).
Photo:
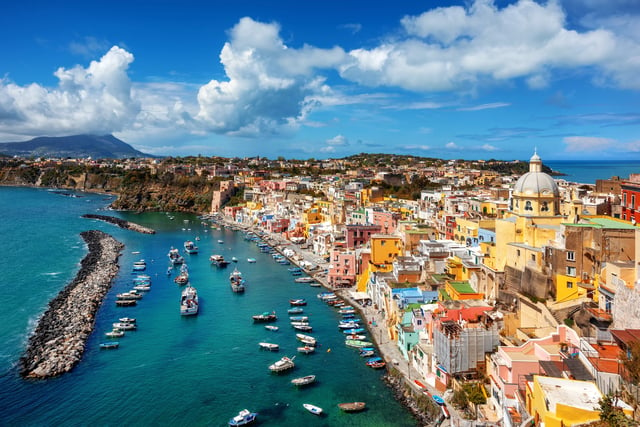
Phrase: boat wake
(53,273)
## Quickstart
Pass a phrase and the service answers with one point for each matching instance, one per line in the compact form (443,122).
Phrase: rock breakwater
(121,223)
(58,341)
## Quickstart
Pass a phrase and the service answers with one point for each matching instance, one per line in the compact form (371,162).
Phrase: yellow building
(532,223)
(567,288)
(559,402)
(384,250)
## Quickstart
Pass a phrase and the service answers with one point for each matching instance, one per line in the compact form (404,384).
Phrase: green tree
(612,415)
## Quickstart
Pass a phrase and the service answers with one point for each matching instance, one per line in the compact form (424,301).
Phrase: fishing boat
(183,277)
(298,301)
(305,279)
(265,317)
(124,326)
(174,256)
(376,363)
(116,333)
(139,265)
(293,269)
(269,346)
(236,281)
(109,345)
(143,288)
(439,400)
(356,337)
(299,318)
(353,331)
(234,259)
(367,353)
(352,406)
(315,410)
(283,364)
(220,241)
(189,303)
(326,295)
(244,417)
(303,328)
(126,302)
(127,319)
(348,325)
(307,379)
(190,247)
(307,349)
(218,260)
(306,339)
(251,260)
(358,343)
(295,310)
(131,295)
(271,328)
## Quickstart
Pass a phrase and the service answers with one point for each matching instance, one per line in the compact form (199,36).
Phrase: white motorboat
(316,410)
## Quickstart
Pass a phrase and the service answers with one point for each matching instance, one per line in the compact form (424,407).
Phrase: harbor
(218,347)
(405,375)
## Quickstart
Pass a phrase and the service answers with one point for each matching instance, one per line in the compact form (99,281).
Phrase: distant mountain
(75,146)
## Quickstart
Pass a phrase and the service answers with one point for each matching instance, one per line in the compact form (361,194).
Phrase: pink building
(509,366)
(279,225)
(388,221)
(358,235)
(342,272)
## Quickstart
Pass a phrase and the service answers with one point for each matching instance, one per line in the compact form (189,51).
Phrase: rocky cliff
(136,190)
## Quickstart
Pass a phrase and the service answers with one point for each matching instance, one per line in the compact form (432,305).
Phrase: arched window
(527,206)
(545,207)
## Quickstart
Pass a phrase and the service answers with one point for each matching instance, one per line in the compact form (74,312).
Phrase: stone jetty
(121,223)
(58,341)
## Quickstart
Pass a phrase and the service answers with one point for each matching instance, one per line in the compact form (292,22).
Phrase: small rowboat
(306,349)
(109,345)
(269,346)
(271,327)
(308,379)
(352,406)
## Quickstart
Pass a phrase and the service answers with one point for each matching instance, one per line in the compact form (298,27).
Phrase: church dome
(535,182)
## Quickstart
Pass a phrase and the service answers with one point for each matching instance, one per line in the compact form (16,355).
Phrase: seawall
(121,223)
(58,341)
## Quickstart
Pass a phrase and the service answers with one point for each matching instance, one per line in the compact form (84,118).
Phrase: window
(545,207)
(533,257)
(571,271)
(527,206)
(633,201)
(569,285)
(518,252)
(571,256)
(624,199)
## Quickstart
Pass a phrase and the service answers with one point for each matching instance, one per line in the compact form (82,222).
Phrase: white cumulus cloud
(455,48)
(96,99)
(338,140)
(270,86)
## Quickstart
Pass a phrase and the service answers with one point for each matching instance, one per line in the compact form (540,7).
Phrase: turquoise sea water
(587,171)
(174,370)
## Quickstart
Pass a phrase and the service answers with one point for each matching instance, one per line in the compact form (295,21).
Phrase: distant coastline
(588,171)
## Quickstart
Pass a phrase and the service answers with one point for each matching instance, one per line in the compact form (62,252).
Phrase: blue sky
(450,79)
